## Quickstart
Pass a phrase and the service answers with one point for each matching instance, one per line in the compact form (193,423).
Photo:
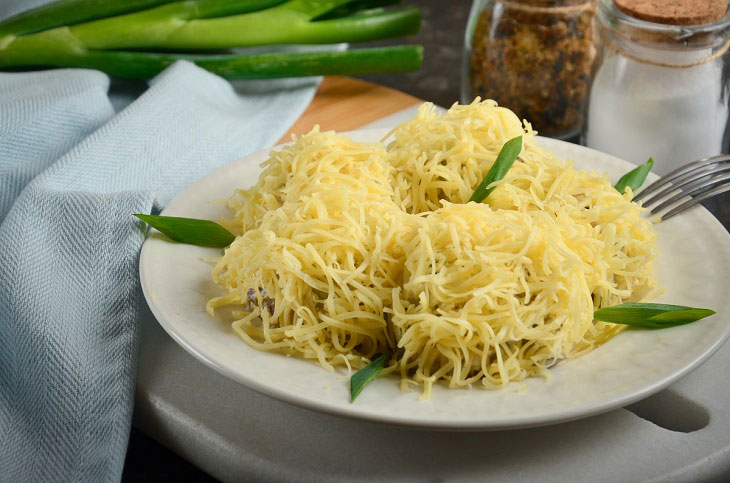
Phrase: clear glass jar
(534,57)
(659,91)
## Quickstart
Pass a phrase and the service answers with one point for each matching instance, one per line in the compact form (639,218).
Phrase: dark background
(442,35)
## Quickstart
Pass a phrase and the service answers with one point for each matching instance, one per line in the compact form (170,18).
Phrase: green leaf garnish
(502,164)
(651,315)
(362,377)
(634,178)
(204,233)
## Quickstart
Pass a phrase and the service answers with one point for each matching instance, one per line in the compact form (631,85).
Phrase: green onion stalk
(128,45)
(67,12)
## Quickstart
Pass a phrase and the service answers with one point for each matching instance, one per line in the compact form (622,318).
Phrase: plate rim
(350,412)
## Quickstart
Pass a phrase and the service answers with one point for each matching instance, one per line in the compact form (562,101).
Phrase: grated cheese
(347,250)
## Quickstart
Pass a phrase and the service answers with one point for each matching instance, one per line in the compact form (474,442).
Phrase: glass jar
(659,91)
(533,57)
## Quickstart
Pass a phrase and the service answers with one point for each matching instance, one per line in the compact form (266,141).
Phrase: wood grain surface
(343,104)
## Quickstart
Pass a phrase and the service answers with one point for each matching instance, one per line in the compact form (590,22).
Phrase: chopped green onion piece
(505,159)
(634,178)
(192,231)
(361,378)
(651,315)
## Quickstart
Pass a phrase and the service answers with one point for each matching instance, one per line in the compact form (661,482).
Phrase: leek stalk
(69,12)
(222,24)
(145,65)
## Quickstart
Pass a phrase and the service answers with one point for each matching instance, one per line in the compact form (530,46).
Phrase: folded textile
(72,172)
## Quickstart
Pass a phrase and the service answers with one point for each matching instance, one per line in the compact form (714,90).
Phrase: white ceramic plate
(694,267)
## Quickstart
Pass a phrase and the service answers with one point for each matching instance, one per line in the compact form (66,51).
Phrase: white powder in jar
(674,114)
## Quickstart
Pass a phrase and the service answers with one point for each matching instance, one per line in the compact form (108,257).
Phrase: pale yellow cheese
(348,250)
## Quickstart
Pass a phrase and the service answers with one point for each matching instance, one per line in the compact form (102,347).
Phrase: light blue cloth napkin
(72,172)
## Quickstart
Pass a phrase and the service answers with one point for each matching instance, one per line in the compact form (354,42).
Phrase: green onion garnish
(204,233)
(506,157)
(653,316)
(634,178)
(362,377)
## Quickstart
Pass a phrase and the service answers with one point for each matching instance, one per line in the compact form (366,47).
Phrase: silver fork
(687,185)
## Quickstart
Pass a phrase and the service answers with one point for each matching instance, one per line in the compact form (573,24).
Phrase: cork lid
(674,12)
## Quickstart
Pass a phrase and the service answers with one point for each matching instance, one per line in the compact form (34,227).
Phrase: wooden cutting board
(343,104)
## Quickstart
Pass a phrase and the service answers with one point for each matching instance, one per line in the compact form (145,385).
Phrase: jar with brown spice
(533,57)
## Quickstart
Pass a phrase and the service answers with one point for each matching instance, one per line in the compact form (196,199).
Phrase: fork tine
(687,168)
(686,181)
(696,188)
(691,202)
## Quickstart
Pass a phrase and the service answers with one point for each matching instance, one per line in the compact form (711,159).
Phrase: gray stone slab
(237,434)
